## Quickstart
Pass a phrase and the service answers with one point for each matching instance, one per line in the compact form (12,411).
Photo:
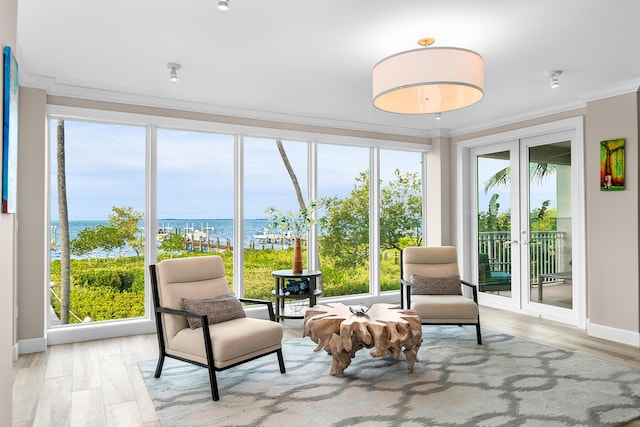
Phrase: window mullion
(374,221)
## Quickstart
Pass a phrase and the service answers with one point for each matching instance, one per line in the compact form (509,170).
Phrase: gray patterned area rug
(508,381)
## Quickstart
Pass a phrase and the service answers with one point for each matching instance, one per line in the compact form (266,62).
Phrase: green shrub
(138,280)
(105,289)
(100,303)
(118,277)
(390,270)
(114,304)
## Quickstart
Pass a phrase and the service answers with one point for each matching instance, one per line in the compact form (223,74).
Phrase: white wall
(438,215)
(613,296)
(32,256)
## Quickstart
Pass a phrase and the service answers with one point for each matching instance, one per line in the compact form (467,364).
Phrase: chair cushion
(423,285)
(445,309)
(429,261)
(219,309)
(232,341)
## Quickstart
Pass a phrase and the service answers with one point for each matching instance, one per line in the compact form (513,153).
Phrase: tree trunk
(292,174)
(63,217)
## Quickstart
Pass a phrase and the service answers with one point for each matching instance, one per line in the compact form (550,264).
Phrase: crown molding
(623,88)
(518,118)
(52,87)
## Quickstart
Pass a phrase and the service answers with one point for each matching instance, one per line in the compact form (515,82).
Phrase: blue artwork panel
(9,132)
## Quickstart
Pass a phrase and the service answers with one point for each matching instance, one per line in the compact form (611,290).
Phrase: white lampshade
(428,80)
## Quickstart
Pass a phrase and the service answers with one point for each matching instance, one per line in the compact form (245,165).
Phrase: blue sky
(105,167)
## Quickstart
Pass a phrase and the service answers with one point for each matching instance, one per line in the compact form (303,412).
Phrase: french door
(525,224)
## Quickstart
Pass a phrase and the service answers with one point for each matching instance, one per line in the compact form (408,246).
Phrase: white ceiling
(310,62)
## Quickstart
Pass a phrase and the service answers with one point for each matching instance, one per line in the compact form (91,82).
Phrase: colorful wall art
(9,132)
(612,165)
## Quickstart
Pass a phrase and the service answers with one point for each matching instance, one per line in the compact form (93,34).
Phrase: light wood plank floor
(98,383)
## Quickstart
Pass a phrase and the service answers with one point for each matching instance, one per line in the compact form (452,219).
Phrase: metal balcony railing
(546,251)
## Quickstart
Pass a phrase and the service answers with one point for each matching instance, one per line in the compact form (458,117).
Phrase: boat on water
(162,232)
(189,233)
(267,237)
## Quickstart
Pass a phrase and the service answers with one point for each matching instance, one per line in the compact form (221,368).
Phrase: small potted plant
(297,225)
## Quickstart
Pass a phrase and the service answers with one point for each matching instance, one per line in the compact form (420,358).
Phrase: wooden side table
(281,276)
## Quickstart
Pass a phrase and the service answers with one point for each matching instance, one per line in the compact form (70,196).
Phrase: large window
(343,190)
(275,174)
(400,211)
(171,188)
(97,178)
(195,195)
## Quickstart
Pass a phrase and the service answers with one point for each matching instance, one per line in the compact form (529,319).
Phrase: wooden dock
(206,245)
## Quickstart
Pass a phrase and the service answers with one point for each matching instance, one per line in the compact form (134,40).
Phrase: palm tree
(537,173)
(292,174)
(63,217)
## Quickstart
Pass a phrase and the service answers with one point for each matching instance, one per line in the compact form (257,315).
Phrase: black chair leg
(281,361)
(214,384)
(478,333)
(159,366)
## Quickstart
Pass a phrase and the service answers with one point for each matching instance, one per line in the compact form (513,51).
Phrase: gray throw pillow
(219,309)
(422,285)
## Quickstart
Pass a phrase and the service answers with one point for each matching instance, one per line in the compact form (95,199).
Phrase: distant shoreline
(221,229)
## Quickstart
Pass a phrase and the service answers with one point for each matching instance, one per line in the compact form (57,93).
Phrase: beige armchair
(191,292)
(431,285)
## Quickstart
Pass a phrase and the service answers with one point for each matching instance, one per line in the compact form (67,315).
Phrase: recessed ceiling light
(173,74)
(553,75)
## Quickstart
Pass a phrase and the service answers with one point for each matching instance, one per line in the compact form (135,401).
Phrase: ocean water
(214,228)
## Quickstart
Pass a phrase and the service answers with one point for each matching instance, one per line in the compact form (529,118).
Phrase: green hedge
(106,289)
(115,278)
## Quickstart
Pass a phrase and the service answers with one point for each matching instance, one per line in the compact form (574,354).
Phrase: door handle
(508,244)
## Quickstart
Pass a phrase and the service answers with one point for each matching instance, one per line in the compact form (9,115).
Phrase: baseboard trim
(99,330)
(31,345)
(613,334)
(14,352)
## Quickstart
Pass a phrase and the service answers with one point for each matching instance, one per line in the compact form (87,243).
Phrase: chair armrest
(203,317)
(407,293)
(269,305)
(206,335)
(474,289)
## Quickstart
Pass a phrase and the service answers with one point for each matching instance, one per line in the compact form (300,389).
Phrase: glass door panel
(493,180)
(550,224)
(526,220)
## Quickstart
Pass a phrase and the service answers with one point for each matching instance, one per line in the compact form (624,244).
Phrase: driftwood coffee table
(383,328)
